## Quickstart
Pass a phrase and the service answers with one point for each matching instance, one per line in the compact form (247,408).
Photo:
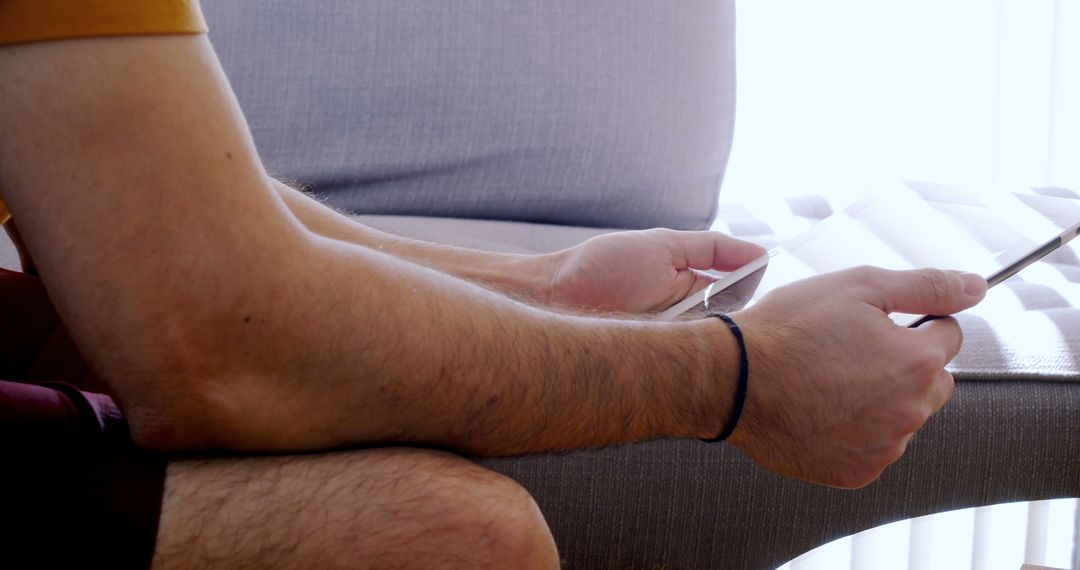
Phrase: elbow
(231,409)
(190,391)
(156,432)
(169,388)
(208,381)
(198,421)
(191,415)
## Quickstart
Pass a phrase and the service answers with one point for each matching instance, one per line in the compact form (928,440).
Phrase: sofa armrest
(685,504)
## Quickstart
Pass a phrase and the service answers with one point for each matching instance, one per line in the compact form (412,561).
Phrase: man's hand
(631,272)
(836,388)
(642,271)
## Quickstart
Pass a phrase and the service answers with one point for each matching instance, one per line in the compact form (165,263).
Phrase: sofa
(531,125)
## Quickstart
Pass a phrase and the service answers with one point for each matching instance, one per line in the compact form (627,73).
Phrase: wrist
(535,277)
(663,379)
(714,379)
(722,384)
(522,276)
(742,381)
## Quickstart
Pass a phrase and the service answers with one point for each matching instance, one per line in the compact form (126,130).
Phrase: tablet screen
(907,227)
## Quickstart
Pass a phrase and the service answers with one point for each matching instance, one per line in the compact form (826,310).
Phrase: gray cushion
(685,504)
(490,235)
(608,113)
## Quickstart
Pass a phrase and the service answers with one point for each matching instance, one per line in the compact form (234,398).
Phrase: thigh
(377,508)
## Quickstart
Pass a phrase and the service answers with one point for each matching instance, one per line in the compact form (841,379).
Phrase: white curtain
(1002,537)
(838,96)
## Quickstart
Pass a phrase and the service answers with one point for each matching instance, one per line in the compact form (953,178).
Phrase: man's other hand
(836,388)
(642,271)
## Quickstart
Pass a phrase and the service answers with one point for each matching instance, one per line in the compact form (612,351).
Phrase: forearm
(525,277)
(374,349)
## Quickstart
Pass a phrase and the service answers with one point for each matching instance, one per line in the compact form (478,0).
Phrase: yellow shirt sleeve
(26,21)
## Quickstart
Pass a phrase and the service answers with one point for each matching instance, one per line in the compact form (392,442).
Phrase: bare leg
(384,508)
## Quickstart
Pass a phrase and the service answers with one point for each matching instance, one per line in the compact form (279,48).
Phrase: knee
(520,535)
(492,519)
(390,508)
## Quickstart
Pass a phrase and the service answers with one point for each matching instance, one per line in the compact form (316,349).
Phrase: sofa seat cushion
(488,235)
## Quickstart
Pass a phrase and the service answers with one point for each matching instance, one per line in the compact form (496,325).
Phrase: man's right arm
(220,321)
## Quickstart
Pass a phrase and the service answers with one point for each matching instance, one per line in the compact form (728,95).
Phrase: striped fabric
(1027,328)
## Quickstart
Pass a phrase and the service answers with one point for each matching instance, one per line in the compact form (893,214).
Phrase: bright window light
(837,97)
(840,97)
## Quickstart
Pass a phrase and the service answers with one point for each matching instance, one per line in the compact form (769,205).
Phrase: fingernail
(974,285)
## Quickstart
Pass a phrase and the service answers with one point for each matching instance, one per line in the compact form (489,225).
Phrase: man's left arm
(630,272)
(633,272)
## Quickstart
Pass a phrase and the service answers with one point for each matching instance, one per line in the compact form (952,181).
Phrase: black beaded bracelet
(744,377)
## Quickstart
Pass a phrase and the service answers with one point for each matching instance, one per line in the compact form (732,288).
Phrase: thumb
(689,282)
(930,291)
(712,250)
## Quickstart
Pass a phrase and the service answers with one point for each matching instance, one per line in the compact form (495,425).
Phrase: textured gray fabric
(490,235)
(1030,345)
(686,505)
(607,113)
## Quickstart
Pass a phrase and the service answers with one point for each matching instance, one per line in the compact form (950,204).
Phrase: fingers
(946,337)
(930,291)
(931,347)
(695,281)
(944,333)
(944,387)
(712,250)
(939,342)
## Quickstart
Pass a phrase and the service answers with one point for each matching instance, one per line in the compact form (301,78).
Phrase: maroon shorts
(75,490)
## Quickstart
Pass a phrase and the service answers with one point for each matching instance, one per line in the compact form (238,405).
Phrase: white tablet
(910,226)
